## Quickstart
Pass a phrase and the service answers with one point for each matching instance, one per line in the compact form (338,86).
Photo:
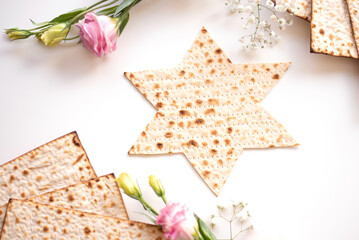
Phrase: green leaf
(107,11)
(152,219)
(38,24)
(67,16)
(204,230)
(123,5)
(122,22)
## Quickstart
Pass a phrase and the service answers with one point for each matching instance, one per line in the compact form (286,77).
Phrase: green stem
(35,33)
(164,199)
(148,206)
(43,26)
(72,38)
(242,231)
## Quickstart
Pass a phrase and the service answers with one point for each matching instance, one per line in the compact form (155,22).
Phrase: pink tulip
(176,221)
(98,33)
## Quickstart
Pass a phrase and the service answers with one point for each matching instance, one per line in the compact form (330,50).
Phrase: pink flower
(176,221)
(98,33)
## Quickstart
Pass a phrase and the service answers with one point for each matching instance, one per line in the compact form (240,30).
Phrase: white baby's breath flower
(281,21)
(240,8)
(263,24)
(213,221)
(263,33)
(279,8)
(270,3)
(260,35)
(289,22)
(286,6)
(243,215)
(252,46)
(248,9)
(251,19)
(273,17)
(232,9)
(238,223)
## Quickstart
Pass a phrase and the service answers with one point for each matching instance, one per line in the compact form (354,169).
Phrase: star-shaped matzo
(208,109)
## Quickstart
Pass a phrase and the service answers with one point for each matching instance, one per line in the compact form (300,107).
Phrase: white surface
(309,192)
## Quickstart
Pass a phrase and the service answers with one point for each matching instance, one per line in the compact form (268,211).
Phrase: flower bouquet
(175,219)
(99,26)
(254,13)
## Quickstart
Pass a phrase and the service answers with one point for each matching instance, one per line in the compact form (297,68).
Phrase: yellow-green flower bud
(156,186)
(129,186)
(54,35)
(15,34)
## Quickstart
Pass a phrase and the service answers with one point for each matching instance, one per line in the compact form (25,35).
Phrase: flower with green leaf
(54,35)
(132,190)
(127,184)
(15,34)
(52,32)
(175,219)
(157,187)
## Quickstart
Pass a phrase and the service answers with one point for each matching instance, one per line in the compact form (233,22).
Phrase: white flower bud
(273,18)
(286,6)
(263,24)
(232,9)
(260,35)
(240,8)
(270,3)
(251,19)
(279,8)
(248,9)
(281,22)
(243,215)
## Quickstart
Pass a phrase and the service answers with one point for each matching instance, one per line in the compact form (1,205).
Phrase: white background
(309,192)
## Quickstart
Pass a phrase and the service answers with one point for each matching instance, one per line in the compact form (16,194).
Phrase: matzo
(54,165)
(353,6)
(27,220)
(100,195)
(302,9)
(208,109)
(331,31)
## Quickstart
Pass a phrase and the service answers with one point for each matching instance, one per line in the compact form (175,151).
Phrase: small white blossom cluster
(238,218)
(263,33)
